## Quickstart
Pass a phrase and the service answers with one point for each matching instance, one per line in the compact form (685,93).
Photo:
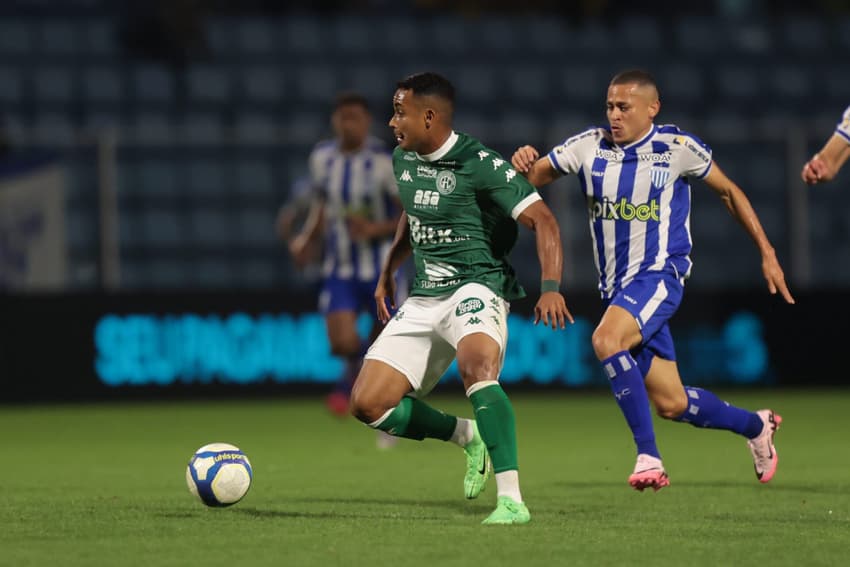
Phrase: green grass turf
(104,485)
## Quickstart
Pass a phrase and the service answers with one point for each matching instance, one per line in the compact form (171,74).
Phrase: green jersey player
(462,202)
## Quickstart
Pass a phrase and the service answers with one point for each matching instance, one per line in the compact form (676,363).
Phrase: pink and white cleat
(765,458)
(649,472)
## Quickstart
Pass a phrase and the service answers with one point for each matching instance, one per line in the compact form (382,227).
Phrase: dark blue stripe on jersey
(659,147)
(622,229)
(599,165)
(843,135)
(346,182)
(554,162)
(652,235)
(678,243)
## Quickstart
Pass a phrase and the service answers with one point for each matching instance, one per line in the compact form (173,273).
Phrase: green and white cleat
(508,511)
(478,466)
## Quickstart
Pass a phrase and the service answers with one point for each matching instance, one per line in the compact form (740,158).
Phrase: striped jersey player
(635,178)
(826,164)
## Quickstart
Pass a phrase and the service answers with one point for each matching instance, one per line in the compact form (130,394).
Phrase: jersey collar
(645,138)
(442,150)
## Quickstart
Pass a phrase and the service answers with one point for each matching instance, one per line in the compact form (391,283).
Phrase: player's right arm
(539,172)
(399,252)
(825,164)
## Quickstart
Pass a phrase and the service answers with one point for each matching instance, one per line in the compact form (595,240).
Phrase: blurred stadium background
(147,147)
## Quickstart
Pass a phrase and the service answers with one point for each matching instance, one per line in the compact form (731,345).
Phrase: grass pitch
(104,485)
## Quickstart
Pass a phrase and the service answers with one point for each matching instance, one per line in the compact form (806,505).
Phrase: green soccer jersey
(461,204)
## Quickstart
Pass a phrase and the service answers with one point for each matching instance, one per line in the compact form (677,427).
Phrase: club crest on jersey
(446,182)
(659,176)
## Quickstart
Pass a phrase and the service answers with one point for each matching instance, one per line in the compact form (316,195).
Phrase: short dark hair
(429,84)
(350,97)
(638,76)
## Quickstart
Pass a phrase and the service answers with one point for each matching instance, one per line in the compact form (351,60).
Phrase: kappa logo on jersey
(659,176)
(423,198)
(469,305)
(497,163)
(405,176)
(607,209)
(426,172)
(510,174)
(482,154)
(446,182)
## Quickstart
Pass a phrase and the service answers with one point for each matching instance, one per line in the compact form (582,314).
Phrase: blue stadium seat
(16,37)
(99,37)
(529,84)
(255,128)
(401,35)
(212,274)
(373,82)
(516,128)
(304,34)
(80,227)
(208,84)
(258,273)
(262,84)
(699,35)
(255,36)
(477,84)
(152,129)
(162,227)
(304,128)
(206,178)
(548,37)
(131,232)
(102,84)
(220,36)
(11,87)
(256,226)
(169,274)
(59,37)
(804,34)
(54,84)
(156,177)
(202,129)
(52,130)
(153,83)
(352,35)
(498,35)
(211,227)
(792,82)
(681,82)
(255,177)
(316,83)
(748,37)
(583,83)
(640,33)
(451,35)
(738,82)
(475,124)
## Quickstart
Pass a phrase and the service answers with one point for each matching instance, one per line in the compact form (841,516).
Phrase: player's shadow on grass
(458,505)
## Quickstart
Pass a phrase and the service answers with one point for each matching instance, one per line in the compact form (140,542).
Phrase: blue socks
(630,391)
(707,410)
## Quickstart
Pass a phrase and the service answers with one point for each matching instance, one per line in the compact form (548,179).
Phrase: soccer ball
(219,474)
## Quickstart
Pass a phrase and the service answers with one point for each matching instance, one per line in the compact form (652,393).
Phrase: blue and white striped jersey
(843,128)
(638,199)
(361,183)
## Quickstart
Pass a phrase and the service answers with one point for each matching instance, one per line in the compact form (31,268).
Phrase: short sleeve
(511,192)
(843,128)
(694,156)
(568,156)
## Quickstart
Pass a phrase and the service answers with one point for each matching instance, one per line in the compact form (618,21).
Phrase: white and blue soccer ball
(219,474)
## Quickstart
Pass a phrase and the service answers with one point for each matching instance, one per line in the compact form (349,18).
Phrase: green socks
(497,425)
(414,419)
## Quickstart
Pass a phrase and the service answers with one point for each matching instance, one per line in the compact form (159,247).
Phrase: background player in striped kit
(634,176)
(355,207)
(462,203)
(826,164)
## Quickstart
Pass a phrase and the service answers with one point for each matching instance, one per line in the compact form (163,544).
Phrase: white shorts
(421,340)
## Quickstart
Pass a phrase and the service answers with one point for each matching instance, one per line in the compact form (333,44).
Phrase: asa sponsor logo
(607,209)
(469,305)
(426,199)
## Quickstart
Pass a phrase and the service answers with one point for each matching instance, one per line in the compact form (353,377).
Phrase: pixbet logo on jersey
(607,209)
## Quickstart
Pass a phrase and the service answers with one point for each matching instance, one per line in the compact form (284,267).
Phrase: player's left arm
(825,164)
(740,207)
(551,306)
